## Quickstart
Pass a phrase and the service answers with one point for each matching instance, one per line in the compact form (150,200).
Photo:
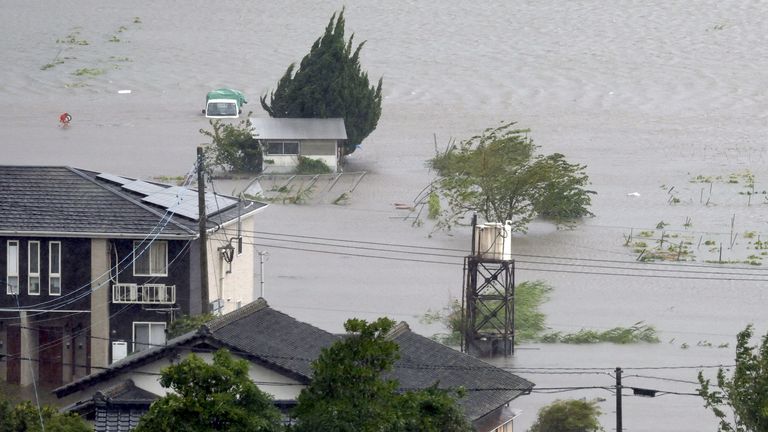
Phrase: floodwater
(648,94)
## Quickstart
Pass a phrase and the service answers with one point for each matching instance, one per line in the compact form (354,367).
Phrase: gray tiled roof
(286,344)
(291,344)
(299,128)
(50,200)
(117,418)
(424,362)
(273,337)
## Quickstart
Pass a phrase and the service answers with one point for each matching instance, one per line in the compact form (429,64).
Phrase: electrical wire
(463,252)
(85,329)
(62,301)
(549,270)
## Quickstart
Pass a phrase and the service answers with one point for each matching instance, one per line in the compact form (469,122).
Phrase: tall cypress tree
(329,83)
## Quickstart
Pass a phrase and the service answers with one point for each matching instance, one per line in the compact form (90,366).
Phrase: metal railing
(143,294)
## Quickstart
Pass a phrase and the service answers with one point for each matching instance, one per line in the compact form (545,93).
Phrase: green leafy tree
(433,410)
(745,393)
(233,147)
(187,323)
(218,396)
(25,417)
(530,322)
(499,175)
(329,82)
(348,392)
(568,416)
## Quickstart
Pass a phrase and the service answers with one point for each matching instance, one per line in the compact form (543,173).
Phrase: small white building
(283,140)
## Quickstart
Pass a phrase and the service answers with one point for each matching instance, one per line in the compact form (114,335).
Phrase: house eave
(89,234)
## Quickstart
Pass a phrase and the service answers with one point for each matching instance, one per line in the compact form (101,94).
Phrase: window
(283,148)
(12,267)
(147,335)
(54,266)
(33,265)
(150,259)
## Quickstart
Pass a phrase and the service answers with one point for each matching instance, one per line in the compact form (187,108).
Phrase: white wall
(147,377)
(237,286)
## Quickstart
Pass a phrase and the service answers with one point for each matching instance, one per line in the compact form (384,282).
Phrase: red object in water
(65,118)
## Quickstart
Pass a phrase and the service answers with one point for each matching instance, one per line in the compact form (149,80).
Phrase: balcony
(143,294)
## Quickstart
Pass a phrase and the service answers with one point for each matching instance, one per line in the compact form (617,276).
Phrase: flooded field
(664,101)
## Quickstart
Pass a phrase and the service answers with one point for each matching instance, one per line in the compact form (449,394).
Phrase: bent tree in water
(500,175)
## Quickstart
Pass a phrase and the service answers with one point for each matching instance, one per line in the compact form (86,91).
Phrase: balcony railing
(143,294)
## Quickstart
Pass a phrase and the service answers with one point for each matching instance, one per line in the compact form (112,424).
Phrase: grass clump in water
(637,333)
(312,166)
(88,72)
(433,205)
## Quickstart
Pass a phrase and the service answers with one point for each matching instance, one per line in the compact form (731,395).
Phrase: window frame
(282,148)
(151,343)
(51,274)
(148,254)
(10,272)
(33,275)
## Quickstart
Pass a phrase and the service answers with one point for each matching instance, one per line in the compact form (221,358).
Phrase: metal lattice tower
(488,306)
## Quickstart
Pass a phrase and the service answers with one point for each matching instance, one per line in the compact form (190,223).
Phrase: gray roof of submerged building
(66,201)
(298,128)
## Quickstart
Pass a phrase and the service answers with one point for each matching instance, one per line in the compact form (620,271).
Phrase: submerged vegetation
(312,166)
(501,176)
(639,332)
(74,42)
(530,322)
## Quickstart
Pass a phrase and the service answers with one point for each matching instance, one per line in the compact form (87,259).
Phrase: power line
(473,389)
(464,252)
(550,270)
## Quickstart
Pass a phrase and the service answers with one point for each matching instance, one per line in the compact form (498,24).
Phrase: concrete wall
(233,283)
(28,351)
(324,150)
(100,292)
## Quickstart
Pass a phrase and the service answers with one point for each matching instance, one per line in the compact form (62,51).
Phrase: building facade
(94,267)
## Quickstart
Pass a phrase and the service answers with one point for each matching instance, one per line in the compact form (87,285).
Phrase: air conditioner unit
(493,241)
(119,350)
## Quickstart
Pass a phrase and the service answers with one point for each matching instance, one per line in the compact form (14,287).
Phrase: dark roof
(115,409)
(272,337)
(284,344)
(299,128)
(424,362)
(119,408)
(125,393)
(257,331)
(117,418)
(65,201)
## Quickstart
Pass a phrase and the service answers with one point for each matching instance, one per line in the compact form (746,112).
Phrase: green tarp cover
(225,93)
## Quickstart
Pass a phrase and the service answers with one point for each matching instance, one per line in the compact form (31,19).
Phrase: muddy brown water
(648,95)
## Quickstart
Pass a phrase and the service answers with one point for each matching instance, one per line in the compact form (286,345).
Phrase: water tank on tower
(493,241)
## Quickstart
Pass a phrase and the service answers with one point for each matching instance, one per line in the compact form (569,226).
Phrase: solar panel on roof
(167,198)
(142,187)
(183,201)
(215,203)
(113,178)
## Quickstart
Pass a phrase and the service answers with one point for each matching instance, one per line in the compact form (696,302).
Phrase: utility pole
(261,263)
(618,400)
(202,227)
